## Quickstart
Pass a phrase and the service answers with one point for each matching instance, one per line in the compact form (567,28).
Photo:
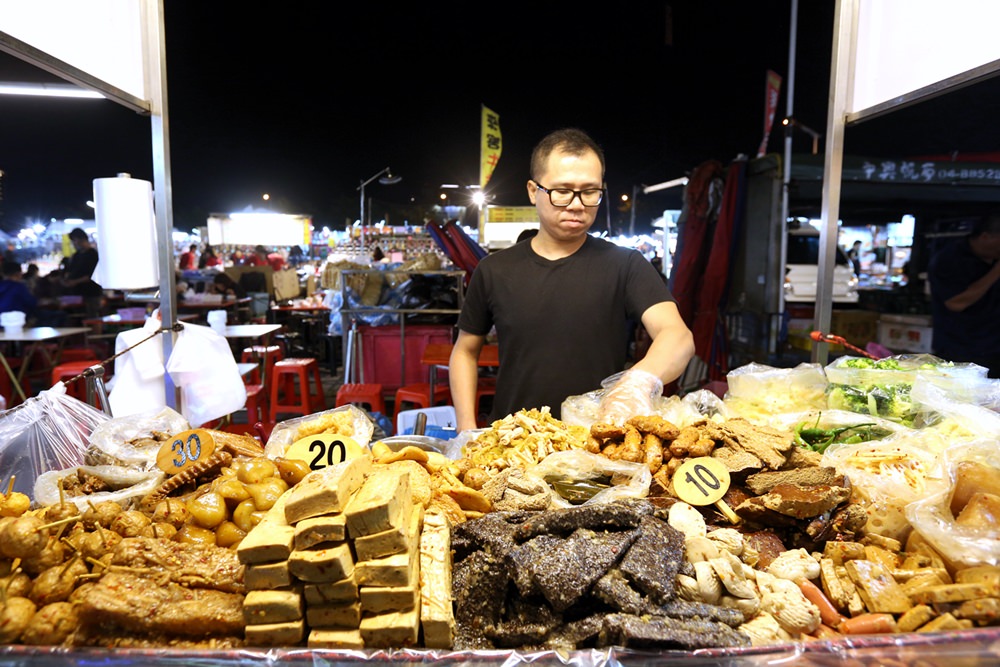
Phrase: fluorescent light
(48,90)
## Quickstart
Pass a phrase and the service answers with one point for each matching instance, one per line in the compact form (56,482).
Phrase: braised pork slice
(147,606)
(197,566)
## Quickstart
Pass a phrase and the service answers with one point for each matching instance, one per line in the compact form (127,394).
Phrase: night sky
(307,103)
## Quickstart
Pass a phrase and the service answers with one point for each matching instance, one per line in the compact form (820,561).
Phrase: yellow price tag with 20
(324,450)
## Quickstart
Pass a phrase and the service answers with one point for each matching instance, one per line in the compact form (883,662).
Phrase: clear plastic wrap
(757,391)
(884,388)
(47,432)
(887,475)
(126,485)
(932,516)
(129,442)
(955,420)
(346,420)
(586,472)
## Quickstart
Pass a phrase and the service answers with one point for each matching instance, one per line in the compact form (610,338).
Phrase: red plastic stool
(419,394)
(366,394)
(7,388)
(69,370)
(69,354)
(271,354)
(256,404)
(304,397)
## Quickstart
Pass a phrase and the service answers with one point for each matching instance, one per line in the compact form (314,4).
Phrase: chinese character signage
(489,152)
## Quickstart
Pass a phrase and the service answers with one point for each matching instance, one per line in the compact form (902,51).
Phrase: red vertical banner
(773,88)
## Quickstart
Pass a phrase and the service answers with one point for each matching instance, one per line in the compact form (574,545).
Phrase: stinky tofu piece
(289,633)
(327,490)
(839,552)
(951,593)
(383,502)
(277,606)
(877,587)
(329,563)
(271,539)
(335,638)
(380,599)
(318,529)
(437,617)
(395,629)
(394,570)
(345,590)
(914,618)
(267,576)
(393,541)
(336,615)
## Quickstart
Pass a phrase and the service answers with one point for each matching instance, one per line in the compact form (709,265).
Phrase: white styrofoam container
(905,333)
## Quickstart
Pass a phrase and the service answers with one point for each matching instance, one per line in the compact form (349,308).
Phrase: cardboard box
(905,333)
(858,327)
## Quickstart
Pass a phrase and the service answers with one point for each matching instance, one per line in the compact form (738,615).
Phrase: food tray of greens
(883,387)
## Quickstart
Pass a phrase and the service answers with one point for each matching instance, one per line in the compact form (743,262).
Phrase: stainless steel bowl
(425,442)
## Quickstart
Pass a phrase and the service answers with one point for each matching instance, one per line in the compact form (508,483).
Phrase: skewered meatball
(15,614)
(51,625)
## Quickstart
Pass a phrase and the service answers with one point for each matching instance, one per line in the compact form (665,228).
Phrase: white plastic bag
(204,368)
(47,432)
(138,383)
(933,519)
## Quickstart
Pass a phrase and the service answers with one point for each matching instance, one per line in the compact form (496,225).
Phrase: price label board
(701,481)
(184,450)
(324,450)
(704,481)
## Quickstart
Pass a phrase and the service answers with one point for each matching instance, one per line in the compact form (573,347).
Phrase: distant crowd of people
(194,258)
(38,296)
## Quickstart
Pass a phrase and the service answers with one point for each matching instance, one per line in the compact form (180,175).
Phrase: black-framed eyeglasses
(564,196)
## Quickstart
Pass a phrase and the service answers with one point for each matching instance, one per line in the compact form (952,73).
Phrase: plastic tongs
(821,337)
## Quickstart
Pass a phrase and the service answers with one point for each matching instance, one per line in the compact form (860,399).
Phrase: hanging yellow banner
(489,151)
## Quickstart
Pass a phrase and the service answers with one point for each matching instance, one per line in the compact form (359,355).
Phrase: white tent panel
(905,45)
(100,37)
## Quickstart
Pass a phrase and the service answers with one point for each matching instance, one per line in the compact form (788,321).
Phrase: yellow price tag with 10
(324,450)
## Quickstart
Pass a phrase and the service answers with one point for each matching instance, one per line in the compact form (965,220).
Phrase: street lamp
(384,177)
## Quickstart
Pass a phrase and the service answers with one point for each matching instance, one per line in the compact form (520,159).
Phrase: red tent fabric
(709,324)
(695,225)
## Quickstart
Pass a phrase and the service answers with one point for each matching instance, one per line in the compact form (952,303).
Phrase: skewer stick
(59,522)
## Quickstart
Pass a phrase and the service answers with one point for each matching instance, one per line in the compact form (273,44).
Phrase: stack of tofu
(339,564)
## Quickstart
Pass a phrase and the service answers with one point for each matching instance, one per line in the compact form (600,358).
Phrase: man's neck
(552,249)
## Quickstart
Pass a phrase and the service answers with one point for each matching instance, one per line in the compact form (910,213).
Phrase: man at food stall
(77,279)
(561,303)
(964,279)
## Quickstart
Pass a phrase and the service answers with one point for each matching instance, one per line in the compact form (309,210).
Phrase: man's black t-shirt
(82,263)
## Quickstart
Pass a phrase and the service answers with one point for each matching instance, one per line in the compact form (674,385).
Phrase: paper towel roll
(126,233)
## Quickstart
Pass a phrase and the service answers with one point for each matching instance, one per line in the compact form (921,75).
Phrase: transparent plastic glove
(633,394)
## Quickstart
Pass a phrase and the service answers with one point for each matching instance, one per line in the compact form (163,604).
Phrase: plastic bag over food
(135,440)
(347,420)
(578,477)
(958,420)
(884,387)
(86,486)
(757,391)
(960,520)
(886,475)
(47,432)
(819,429)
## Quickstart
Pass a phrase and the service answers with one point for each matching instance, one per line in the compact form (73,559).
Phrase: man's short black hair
(77,234)
(11,268)
(987,224)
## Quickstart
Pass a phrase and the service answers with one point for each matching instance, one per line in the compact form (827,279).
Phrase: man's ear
(532,191)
